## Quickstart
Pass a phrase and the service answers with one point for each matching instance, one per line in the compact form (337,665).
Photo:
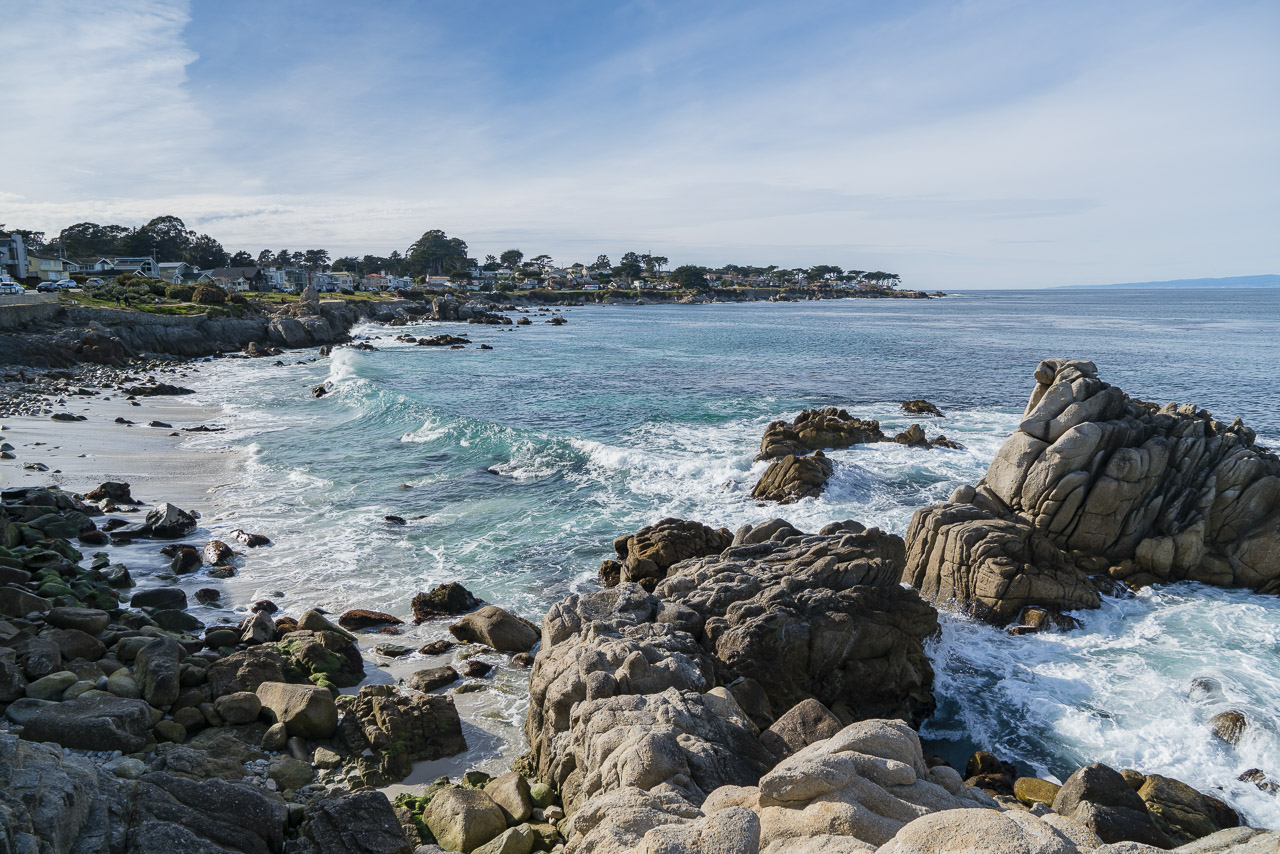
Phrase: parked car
(65,283)
(9,288)
(47,287)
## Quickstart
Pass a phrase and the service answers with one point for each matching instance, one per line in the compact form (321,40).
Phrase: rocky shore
(757,690)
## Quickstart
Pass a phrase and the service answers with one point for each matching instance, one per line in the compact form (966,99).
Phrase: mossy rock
(1032,791)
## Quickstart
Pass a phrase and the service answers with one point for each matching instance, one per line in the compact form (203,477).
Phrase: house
(240,279)
(47,268)
(343,280)
(374,282)
(177,272)
(13,255)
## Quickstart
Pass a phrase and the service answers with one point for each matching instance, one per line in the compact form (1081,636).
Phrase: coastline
(205,480)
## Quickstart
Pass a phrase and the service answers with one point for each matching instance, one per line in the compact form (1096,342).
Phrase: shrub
(182,293)
(209,295)
(347,292)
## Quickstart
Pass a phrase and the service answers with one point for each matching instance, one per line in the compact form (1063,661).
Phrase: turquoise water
(516,467)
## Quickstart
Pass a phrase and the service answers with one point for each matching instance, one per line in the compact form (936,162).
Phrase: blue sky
(960,144)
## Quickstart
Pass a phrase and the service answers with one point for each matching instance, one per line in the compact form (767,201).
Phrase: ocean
(516,467)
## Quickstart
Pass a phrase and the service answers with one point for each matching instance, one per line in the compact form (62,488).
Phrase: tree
(655,263)
(266,258)
(602,263)
(511,258)
(395,263)
(491,263)
(346,264)
(316,259)
(436,253)
(542,262)
(165,237)
(241,259)
(33,240)
(689,276)
(205,253)
(630,268)
(90,240)
(284,258)
(819,272)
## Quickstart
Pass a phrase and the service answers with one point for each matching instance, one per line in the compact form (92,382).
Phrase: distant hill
(1232,282)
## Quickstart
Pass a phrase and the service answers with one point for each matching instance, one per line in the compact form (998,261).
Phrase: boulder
(1182,813)
(804,723)
(814,430)
(88,620)
(445,600)
(249,540)
(157,672)
(1229,726)
(989,831)
(75,644)
(492,626)
(463,819)
(93,721)
(217,553)
(1096,484)
(355,823)
(160,598)
(111,492)
(245,671)
(169,522)
(325,656)
(16,602)
(511,793)
(654,549)
(515,840)
(1032,791)
(921,407)
(51,687)
(359,618)
(433,678)
(241,707)
(792,478)
(307,711)
(390,731)
(1101,799)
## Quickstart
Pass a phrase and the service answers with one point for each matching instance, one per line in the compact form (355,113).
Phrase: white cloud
(966,144)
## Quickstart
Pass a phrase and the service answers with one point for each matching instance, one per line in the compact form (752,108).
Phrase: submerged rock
(446,600)
(792,478)
(814,430)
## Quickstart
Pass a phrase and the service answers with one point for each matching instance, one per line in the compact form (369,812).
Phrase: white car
(65,283)
(10,288)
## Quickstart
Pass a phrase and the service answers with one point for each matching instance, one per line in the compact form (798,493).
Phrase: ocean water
(516,467)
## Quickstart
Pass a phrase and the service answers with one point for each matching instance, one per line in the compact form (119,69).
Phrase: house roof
(235,272)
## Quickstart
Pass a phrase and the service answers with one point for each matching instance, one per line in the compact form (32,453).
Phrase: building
(46,268)
(13,255)
(240,279)
(177,272)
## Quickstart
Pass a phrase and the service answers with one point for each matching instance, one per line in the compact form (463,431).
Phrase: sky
(978,143)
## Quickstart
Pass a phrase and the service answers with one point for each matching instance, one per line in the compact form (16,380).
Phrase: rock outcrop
(1096,487)
(724,644)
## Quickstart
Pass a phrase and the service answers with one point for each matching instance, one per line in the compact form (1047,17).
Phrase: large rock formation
(815,430)
(1094,486)
(685,676)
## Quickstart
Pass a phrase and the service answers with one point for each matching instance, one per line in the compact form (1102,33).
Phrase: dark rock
(354,823)
(437,647)
(427,681)
(185,560)
(89,620)
(1229,726)
(445,600)
(112,492)
(654,549)
(156,671)
(160,598)
(358,619)
(814,430)
(217,553)
(93,722)
(245,671)
(168,522)
(474,668)
(252,541)
(921,407)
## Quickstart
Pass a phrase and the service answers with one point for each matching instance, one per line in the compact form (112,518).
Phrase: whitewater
(516,467)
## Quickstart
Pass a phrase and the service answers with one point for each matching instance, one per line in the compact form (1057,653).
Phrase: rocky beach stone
(494,627)
(814,430)
(433,678)
(92,621)
(93,722)
(241,707)
(156,670)
(358,619)
(446,600)
(249,540)
(165,598)
(306,711)
(1100,798)
(792,478)
(652,550)
(463,819)
(354,823)
(169,522)
(921,407)
(393,730)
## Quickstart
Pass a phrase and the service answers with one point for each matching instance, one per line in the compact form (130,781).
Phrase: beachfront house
(240,279)
(46,268)
(178,272)
(343,280)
